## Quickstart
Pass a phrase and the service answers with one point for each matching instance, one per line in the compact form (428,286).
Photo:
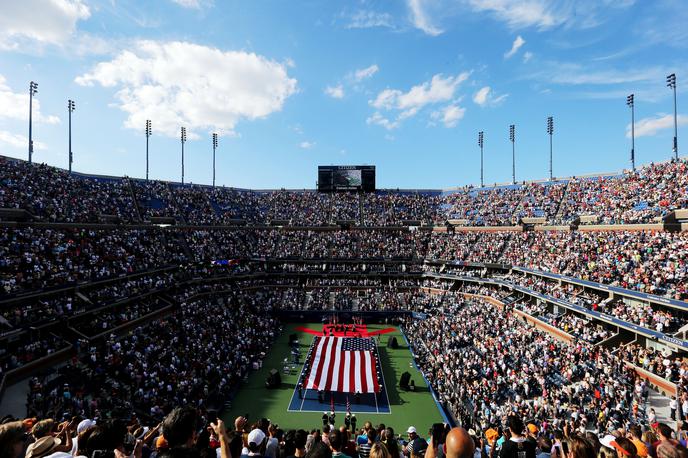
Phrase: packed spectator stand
(111,274)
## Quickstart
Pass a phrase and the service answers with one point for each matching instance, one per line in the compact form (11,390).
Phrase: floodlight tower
(550,131)
(481,137)
(33,90)
(671,83)
(512,137)
(71,106)
(149,132)
(630,101)
(183,138)
(214,148)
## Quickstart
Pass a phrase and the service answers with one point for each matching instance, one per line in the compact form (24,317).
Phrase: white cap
(411,429)
(607,440)
(84,425)
(256,437)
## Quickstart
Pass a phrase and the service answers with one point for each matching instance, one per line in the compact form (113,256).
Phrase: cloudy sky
(405,85)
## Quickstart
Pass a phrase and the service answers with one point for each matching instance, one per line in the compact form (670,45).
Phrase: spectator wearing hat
(45,446)
(256,444)
(413,435)
(80,428)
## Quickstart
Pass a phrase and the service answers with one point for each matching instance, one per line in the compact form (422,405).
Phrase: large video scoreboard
(346,178)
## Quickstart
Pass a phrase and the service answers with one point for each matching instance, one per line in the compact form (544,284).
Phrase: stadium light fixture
(671,83)
(33,90)
(183,138)
(71,106)
(481,137)
(149,132)
(630,101)
(512,137)
(214,148)
(550,131)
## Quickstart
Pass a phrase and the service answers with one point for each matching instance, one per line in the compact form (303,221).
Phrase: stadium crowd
(197,324)
(485,362)
(54,195)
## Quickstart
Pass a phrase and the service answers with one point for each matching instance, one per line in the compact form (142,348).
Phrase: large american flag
(343,364)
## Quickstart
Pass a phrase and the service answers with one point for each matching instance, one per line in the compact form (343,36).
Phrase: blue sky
(289,85)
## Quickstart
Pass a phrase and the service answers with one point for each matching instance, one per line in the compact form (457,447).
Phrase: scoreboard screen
(346,178)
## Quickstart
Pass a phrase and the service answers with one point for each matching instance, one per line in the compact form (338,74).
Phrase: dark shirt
(519,448)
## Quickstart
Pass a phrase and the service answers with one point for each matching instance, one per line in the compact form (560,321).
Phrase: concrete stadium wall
(658,383)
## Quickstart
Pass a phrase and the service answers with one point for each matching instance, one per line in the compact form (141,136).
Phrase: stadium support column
(550,131)
(70,107)
(512,137)
(671,82)
(183,138)
(33,89)
(214,148)
(481,136)
(148,134)
(631,103)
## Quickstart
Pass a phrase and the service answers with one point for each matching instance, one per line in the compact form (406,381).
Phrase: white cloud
(486,96)
(336,92)
(365,73)
(527,56)
(19,141)
(39,21)
(407,104)
(306,145)
(365,19)
(14,105)
(192,4)
(515,46)
(184,84)
(449,115)
(547,14)
(521,14)
(647,127)
(380,120)
(480,97)
(575,73)
(420,18)
(438,89)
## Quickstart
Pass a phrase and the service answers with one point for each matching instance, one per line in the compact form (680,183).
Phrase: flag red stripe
(322,349)
(375,382)
(340,374)
(364,370)
(333,349)
(314,361)
(352,372)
